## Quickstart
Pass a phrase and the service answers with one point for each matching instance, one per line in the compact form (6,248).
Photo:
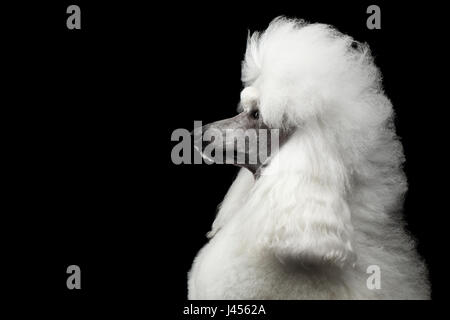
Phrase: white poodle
(321,217)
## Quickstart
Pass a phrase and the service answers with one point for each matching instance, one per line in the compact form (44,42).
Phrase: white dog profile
(310,222)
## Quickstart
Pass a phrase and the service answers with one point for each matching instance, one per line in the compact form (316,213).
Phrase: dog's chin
(254,168)
(205,157)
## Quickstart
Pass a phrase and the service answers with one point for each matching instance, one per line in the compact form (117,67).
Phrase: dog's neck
(257,173)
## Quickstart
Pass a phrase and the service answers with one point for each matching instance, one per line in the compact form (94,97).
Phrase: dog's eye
(255,114)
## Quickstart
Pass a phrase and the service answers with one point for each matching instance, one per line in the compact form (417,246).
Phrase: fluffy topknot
(303,70)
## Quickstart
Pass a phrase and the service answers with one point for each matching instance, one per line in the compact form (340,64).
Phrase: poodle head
(323,93)
(244,140)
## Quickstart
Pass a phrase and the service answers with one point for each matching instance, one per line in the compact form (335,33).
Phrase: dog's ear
(304,214)
(313,227)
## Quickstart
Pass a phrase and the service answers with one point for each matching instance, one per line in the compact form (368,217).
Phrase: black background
(92,112)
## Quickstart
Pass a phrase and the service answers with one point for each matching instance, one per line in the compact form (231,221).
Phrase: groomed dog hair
(332,195)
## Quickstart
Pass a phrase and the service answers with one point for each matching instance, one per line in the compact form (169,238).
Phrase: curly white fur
(329,203)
